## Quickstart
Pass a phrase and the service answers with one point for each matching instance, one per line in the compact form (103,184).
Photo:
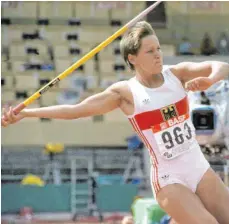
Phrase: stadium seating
(7,82)
(7,97)
(55,10)
(21,10)
(92,11)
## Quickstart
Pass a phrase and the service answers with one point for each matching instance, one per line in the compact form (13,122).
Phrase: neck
(150,80)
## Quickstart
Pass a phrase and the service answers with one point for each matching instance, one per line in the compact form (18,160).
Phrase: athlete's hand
(198,84)
(9,117)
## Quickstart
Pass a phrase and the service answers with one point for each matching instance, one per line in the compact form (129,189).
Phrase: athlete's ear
(132,59)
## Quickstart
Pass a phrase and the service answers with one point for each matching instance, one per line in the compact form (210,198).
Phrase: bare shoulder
(119,87)
(126,97)
(187,65)
(122,88)
(186,71)
(179,69)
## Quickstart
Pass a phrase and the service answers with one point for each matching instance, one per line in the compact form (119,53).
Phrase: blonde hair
(131,41)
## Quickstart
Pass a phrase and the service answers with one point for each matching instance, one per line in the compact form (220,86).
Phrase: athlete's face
(149,58)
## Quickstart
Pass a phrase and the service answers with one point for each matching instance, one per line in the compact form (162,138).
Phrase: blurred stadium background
(94,166)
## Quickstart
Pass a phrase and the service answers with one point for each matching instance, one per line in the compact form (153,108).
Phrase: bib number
(178,138)
(175,139)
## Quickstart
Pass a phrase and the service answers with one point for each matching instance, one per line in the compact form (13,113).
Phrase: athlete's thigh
(183,205)
(215,196)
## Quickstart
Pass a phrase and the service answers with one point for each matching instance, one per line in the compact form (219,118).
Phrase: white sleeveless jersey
(161,118)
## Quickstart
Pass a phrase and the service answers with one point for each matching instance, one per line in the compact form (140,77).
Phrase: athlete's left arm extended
(200,76)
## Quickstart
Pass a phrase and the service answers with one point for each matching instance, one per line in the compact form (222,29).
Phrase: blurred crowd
(207,45)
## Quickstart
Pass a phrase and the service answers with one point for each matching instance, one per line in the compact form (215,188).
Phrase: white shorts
(187,169)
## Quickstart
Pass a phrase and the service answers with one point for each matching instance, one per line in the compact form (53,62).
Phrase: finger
(4,123)
(8,116)
(189,86)
(11,114)
(194,86)
(5,114)
(186,85)
(197,84)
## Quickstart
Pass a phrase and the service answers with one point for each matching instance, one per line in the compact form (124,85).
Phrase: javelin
(77,64)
